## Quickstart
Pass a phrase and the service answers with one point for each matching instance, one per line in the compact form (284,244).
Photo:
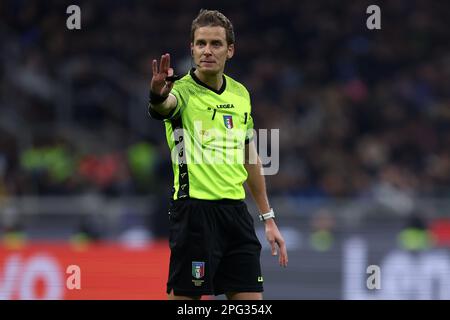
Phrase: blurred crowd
(361,112)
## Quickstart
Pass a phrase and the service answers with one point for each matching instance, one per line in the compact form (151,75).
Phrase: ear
(192,49)
(230,52)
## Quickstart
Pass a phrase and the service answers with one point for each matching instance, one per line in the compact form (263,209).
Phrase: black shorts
(214,248)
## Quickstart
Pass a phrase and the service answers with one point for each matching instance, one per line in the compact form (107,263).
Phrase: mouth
(207,61)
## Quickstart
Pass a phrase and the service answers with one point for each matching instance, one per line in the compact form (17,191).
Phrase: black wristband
(156,98)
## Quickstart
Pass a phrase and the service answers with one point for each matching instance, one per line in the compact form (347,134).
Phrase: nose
(207,50)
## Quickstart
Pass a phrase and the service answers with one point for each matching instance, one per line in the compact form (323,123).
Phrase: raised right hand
(159,85)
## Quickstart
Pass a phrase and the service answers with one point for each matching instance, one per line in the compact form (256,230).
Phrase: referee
(207,116)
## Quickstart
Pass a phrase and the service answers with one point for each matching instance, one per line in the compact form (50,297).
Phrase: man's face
(210,49)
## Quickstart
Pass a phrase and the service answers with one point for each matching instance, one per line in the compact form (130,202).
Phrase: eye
(200,44)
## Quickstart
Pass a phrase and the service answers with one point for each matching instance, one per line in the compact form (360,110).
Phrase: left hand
(275,239)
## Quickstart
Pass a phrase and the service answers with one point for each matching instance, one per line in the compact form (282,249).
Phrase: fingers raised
(164,64)
(154,67)
(161,64)
(167,65)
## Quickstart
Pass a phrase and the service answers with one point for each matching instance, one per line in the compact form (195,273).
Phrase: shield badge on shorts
(198,269)
(228,121)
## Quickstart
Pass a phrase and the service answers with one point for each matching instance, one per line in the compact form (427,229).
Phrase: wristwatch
(267,216)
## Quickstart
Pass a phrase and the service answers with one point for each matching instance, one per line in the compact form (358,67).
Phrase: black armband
(156,98)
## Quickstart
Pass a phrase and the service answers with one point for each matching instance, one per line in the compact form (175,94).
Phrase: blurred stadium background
(364,119)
